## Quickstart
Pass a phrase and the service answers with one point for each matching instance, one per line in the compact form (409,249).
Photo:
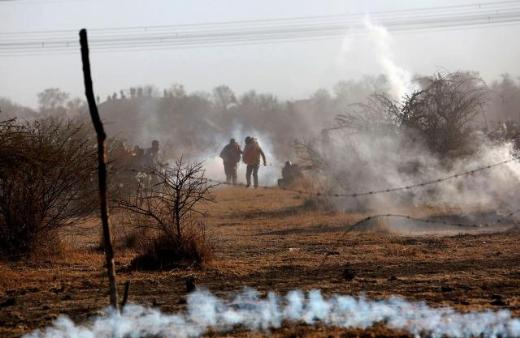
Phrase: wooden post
(125,295)
(102,168)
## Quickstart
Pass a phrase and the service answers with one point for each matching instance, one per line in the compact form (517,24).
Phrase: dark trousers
(252,169)
(230,168)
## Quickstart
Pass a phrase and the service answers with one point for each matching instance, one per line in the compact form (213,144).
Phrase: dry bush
(163,213)
(161,252)
(46,182)
(443,112)
(440,115)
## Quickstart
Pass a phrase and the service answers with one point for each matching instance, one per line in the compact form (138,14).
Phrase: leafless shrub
(166,204)
(46,181)
(376,115)
(441,114)
(309,155)
(444,111)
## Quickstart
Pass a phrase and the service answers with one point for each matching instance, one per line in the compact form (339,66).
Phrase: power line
(414,12)
(293,29)
(162,47)
(209,41)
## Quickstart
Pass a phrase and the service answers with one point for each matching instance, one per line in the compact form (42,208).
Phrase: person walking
(251,157)
(151,157)
(230,155)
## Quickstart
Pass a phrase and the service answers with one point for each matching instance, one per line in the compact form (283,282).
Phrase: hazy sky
(289,70)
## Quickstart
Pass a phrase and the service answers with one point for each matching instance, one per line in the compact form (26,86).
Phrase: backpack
(251,153)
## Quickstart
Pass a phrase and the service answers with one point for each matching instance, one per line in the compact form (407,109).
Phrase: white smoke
(214,167)
(206,311)
(399,79)
(366,162)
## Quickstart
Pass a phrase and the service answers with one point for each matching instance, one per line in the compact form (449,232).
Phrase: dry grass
(266,239)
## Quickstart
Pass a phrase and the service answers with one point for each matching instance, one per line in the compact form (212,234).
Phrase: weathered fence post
(102,168)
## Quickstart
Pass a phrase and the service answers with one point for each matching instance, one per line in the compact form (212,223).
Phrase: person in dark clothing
(251,157)
(290,174)
(230,155)
(151,157)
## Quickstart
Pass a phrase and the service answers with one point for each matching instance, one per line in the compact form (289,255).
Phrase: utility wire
(476,7)
(251,34)
(162,47)
(208,42)
(481,16)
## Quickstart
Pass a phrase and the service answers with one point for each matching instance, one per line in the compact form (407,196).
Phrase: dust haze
(358,157)
(393,180)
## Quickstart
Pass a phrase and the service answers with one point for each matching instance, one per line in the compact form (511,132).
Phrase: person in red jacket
(230,155)
(251,157)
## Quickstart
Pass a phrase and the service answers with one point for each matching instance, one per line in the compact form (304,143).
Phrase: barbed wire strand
(500,221)
(354,226)
(380,191)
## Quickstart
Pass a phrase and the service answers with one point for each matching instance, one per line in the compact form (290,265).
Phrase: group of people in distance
(251,156)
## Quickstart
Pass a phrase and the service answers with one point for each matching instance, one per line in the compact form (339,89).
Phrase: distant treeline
(196,122)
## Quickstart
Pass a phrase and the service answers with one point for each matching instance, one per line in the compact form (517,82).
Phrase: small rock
(446,288)
(349,274)
(497,300)
(190,284)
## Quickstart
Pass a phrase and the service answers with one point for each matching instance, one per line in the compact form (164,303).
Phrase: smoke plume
(368,161)
(399,79)
(213,164)
(206,311)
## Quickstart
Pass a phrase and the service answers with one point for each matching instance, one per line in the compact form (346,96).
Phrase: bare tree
(440,114)
(374,115)
(169,197)
(162,214)
(223,97)
(443,112)
(51,99)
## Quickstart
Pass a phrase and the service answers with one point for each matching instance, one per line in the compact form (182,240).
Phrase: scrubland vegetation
(171,223)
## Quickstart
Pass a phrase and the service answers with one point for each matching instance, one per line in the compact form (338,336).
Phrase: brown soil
(268,240)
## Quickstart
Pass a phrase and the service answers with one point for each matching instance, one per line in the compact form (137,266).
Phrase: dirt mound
(374,224)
